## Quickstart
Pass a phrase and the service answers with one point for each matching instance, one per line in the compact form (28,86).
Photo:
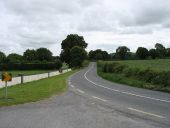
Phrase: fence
(29,78)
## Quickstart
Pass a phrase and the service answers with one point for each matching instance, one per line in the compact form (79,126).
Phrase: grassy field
(150,74)
(159,64)
(26,72)
(34,91)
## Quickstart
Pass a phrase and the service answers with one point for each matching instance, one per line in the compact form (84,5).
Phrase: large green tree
(30,55)
(14,58)
(98,54)
(78,55)
(161,50)
(153,53)
(142,53)
(2,57)
(122,52)
(67,44)
(44,54)
(168,52)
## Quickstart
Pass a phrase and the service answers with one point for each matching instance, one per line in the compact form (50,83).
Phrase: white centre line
(80,91)
(123,92)
(147,113)
(99,98)
(72,86)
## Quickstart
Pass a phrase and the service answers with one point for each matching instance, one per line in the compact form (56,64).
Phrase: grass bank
(34,91)
(150,74)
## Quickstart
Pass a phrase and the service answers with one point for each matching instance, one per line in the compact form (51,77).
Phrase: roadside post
(6,77)
(48,74)
(22,77)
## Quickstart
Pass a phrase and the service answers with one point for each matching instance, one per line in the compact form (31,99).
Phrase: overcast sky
(105,24)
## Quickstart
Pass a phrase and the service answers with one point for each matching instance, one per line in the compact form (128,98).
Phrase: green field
(158,65)
(26,72)
(34,91)
(150,74)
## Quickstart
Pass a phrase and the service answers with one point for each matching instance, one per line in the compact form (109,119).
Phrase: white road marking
(147,113)
(99,98)
(72,86)
(80,91)
(124,92)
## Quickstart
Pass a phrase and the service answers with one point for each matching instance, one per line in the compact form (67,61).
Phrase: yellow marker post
(6,77)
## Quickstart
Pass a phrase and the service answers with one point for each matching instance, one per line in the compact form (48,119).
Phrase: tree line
(74,53)
(123,53)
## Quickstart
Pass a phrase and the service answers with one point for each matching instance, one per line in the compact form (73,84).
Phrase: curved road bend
(147,104)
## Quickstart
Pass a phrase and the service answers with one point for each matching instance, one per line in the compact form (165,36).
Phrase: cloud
(104,24)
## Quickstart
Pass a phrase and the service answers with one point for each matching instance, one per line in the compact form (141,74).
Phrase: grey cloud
(45,23)
(147,13)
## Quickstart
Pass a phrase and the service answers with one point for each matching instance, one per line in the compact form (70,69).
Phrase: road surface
(147,104)
(92,102)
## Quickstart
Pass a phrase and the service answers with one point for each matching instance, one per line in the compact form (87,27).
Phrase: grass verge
(34,91)
(122,79)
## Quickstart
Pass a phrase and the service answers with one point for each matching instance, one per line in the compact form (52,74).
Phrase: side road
(69,110)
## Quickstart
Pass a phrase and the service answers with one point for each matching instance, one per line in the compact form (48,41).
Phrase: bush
(162,78)
(31,66)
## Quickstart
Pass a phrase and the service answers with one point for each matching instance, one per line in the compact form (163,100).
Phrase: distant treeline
(39,59)
(74,53)
(123,53)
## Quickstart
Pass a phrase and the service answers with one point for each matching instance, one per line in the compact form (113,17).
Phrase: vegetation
(34,91)
(142,53)
(31,66)
(122,51)
(78,55)
(146,74)
(26,72)
(98,54)
(73,46)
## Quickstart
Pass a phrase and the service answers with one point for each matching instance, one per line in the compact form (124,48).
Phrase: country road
(92,102)
(150,105)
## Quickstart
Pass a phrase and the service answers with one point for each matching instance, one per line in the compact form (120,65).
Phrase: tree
(153,53)
(30,55)
(168,52)
(122,51)
(98,54)
(43,54)
(14,58)
(65,56)
(73,40)
(67,44)
(161,50)
(78,55)
(2,57)
(142,53)
(91,55)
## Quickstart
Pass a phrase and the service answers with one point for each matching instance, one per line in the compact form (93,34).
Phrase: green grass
(120,78)
(158,64)
(26,72)
(34,91)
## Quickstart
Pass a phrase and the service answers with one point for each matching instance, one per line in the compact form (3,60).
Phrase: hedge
(148,75)
(31,66)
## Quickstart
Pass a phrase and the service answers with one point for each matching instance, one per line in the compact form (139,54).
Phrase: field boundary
(29,78)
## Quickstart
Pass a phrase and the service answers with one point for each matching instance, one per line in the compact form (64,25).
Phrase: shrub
(31,66)
(148,75)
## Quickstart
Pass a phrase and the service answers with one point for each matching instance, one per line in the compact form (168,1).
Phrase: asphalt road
(92,102)
(150,105)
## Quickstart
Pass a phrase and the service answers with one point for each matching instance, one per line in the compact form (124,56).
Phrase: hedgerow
(148,75)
